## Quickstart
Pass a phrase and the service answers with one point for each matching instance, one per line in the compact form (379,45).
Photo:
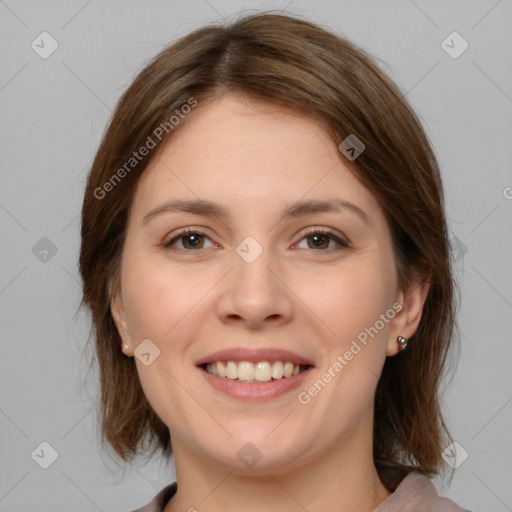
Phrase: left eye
(322,240)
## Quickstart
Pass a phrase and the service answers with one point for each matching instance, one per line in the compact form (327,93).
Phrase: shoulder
(158,503)
(416,493)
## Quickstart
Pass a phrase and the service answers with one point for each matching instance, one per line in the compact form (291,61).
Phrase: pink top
(416,493)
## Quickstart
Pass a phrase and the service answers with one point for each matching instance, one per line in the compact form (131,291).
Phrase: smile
(250,382)
(262,371)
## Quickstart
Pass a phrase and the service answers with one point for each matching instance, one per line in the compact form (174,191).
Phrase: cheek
(157,297)
(350,304)
(160,301)
(352,297)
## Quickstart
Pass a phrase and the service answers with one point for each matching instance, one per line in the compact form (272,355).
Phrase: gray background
(53,113)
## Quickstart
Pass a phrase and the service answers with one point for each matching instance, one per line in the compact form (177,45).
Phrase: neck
(343,478)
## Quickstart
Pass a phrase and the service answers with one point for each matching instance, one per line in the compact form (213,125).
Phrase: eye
(189,239)
(323,239)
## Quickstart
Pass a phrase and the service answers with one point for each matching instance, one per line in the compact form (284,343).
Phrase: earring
(125,346)
(402,342)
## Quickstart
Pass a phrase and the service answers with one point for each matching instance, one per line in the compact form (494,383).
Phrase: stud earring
(402,342)
(125,346)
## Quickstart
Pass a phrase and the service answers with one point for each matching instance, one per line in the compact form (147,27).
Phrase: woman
(265,257)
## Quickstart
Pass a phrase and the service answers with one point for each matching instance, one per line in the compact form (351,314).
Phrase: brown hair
(301,66)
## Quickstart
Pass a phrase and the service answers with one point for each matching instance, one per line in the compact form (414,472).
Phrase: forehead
(247,152)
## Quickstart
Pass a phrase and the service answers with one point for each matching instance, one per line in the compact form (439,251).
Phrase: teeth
(245,371)
(277,370)
(231,370)
(221,371)
(288,369)
(262,371)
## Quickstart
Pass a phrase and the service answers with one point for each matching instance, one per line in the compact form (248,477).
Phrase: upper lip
(254,356)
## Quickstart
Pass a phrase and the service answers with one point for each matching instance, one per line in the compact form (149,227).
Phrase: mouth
(254,375)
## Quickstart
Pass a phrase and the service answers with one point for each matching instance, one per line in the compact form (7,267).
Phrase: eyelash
(343,244)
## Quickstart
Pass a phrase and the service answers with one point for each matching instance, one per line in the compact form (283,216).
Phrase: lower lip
(258,391)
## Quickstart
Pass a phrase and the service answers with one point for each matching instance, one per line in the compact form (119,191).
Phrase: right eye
(190,240)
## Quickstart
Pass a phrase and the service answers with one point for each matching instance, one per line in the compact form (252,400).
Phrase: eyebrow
(211,209)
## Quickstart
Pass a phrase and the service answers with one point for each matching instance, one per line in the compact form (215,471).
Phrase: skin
(256,159)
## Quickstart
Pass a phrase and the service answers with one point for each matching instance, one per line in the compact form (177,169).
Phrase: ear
(412,299)
(117,312)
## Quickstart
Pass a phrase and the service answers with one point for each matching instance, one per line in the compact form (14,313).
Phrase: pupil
(318,240)
(192,240)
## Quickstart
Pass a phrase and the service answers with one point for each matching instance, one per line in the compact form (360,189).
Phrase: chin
(269,451)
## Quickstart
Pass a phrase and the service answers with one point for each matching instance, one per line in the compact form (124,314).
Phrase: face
(249,240)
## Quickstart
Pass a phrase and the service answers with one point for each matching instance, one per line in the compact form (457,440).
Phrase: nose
(255,295)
